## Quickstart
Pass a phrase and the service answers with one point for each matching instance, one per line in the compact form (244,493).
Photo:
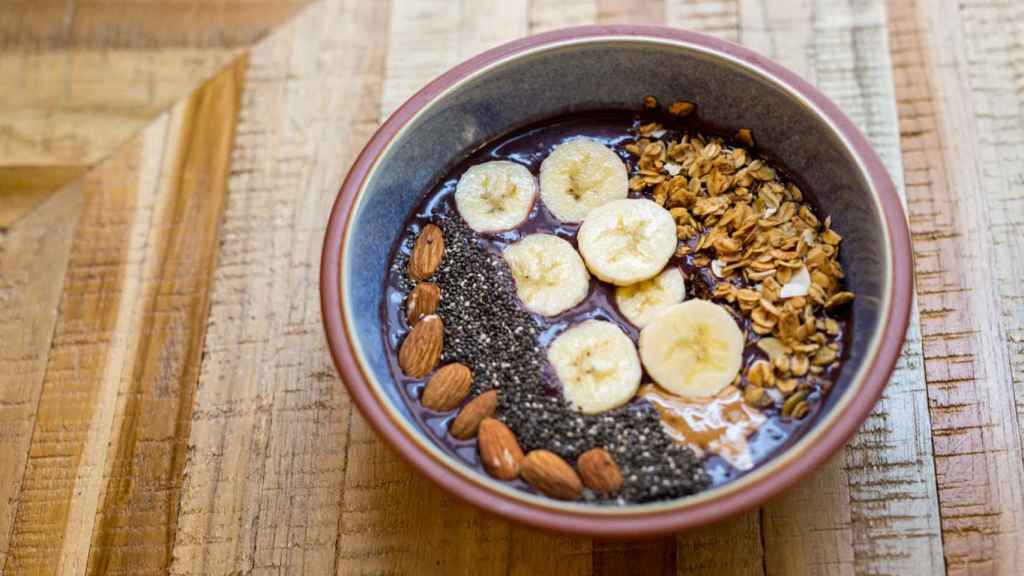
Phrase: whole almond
(421,349)
(447,388)
(499,450)
(548,473)
(468,421)
(422,301)
(599,471)
(427,253)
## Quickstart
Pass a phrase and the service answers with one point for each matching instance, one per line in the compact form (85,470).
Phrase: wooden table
(166,399)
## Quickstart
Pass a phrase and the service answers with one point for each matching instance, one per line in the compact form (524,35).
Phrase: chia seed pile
(486,329)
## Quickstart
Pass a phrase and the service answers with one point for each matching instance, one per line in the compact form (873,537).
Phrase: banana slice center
(538,273)
(497,193)
(584,176)
(702,345)
(631,239)
(592,370)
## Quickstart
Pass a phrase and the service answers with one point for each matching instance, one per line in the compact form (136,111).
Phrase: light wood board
(166,400)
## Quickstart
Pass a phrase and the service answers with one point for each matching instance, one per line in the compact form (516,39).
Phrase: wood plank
(733,546)
(138,507)
(395,521)
(872,509)
(548,15)
(957,72)
(81,77)
(105,462)
(640,558)
(266,459)
(33,258)
(631,12)
(75,107)
(716,17)
(140,24)
(93,337)
(23,188)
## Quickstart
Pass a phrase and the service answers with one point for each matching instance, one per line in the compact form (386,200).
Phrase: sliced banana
(495,196)
(597,365)
(693,349)
(627,241)
(579,176)
(550,276)
(641,302)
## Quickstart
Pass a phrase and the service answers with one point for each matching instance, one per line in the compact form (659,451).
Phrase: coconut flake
(673,168)
(772,347)
(770,211)
(798,284)
(716,267)
(659,133)
(808,237)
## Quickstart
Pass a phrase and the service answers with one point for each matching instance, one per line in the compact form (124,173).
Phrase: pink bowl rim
(642,523)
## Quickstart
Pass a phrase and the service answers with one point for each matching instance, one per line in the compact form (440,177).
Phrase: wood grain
(22,188)
(93,336)
(955,76)
(33,258)
(139,24)
(105,462)
(734,547)
(716,17)
(166,401)
(149,438)
(872,508)
(80,77)
(266,466)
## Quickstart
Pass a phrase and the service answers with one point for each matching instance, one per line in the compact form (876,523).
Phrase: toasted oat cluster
(776,261)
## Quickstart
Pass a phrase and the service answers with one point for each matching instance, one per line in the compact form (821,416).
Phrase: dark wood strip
(34,256)
(150,444)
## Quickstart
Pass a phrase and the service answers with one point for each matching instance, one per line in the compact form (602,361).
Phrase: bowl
(597,67)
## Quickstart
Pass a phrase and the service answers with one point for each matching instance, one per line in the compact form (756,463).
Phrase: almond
(447,388)
(499,450)
(599,471)
(548,473)
(421,349)
(427,253)
(468,421)
(422,301)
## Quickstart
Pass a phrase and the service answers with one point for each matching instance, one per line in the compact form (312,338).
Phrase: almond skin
(421,348)
(499,450)
(447,388)
(422,301)
(427,253)
(599,471)
(548,473)
(468,421)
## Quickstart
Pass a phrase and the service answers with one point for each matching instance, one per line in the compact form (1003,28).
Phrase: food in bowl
(616,307)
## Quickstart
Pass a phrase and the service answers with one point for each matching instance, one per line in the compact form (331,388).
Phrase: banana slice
(597,365)
(495,196)
(550,276)
(627,241)
(692,349)
(641,302)
(579,176)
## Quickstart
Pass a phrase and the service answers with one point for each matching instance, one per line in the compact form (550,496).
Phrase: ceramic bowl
(615,67)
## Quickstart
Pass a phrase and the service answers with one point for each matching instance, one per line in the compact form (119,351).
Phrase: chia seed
(486,329)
